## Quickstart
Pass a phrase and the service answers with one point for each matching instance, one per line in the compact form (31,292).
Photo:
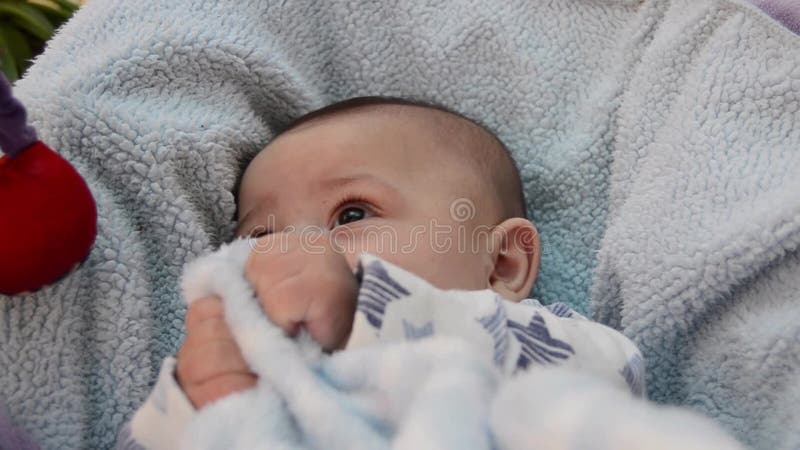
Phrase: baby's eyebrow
(342,181)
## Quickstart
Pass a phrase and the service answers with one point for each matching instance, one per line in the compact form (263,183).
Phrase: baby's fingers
(213,389)
(204,309)
(209,363)
(208,351)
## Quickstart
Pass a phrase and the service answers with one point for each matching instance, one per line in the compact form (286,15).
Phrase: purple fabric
(15,134)
(785,11)
(11,437)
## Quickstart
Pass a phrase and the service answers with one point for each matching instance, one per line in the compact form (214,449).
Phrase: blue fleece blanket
(668,125)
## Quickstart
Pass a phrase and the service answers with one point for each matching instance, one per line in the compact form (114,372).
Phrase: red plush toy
(48,218)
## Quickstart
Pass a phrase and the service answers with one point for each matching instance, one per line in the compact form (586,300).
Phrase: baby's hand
(210,365)
(302,282)
(309,286)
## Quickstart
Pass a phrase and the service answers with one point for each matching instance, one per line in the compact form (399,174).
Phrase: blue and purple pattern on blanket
(494,324)
(560,309)
(634,372)
(414,333)
(537,343)
(378,289)
(535,339)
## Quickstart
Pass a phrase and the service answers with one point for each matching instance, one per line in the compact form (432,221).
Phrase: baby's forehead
(416,135)
(451,143)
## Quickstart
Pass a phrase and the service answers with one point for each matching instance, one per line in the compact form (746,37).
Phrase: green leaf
(28,18)
(54,14)
(7,63)
(25,27)
(18,46)
(67,5)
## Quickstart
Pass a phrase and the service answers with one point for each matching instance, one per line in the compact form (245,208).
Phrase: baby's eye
(350,214)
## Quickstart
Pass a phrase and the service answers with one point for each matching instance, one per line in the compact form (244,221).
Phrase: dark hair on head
(504,172)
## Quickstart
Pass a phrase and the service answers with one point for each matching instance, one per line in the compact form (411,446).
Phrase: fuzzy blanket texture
(657,140)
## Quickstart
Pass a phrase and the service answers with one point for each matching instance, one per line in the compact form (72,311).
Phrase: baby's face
(379,184)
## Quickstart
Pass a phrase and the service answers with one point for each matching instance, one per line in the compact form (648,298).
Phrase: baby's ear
(516,255)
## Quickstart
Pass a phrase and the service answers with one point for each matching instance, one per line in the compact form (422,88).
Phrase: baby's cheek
(458,271)
(446,258)
(352,260)
(378,241)
(444,270)
(434,255)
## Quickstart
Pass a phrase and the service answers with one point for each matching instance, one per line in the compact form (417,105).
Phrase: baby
(420,187)
(352,167)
